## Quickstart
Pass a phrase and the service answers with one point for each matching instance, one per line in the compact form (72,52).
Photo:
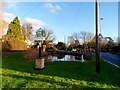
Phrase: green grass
(19,73)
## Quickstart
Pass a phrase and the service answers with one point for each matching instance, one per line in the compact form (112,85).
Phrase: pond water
(65,58)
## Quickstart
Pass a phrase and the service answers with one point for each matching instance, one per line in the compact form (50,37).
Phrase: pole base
(39,68)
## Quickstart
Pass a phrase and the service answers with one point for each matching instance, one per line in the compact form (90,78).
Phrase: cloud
(35,23)
(8,17)
(11,4)
(52,7)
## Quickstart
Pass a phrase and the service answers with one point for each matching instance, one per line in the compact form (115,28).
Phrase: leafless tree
(49,34)
(75,36)
(27,30)
(86,36)
(70,40)
(83,36)
(89,36)
(73,40)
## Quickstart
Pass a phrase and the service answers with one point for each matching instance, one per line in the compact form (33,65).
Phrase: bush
(17,45)
(13,45)
(31,54)
(89,57)
(5,46)
(116,49)
(10,43)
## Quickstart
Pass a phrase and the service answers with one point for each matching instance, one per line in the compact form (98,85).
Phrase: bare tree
(49,34)
(70,40)
(27,30)
(86,36)
(73,40)
(75,36)
(83,36)
(89,36)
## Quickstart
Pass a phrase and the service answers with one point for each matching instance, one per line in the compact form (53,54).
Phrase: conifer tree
(15,29)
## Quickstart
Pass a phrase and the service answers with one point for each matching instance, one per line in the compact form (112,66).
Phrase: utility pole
(97,37)
(65,41)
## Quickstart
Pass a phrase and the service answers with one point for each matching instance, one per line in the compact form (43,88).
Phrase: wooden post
(40,37)
(39,64)
(40,61)
(82,58)
(40,52)
(97,37)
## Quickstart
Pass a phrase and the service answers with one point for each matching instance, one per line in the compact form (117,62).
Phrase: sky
(65,18)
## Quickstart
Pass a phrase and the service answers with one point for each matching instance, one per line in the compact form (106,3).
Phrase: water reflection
(64,58)
(60,56)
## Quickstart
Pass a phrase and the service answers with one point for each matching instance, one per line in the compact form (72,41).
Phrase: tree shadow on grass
(72,70)
(47,80)
(52,82)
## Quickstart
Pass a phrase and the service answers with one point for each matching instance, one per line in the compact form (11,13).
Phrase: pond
(65,58)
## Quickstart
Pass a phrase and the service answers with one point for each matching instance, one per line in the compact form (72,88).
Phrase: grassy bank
(19,73)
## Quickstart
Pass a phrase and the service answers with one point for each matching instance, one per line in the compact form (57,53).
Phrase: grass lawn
(19,73)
